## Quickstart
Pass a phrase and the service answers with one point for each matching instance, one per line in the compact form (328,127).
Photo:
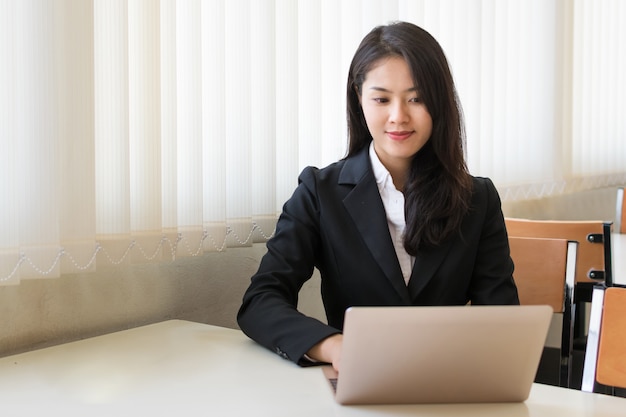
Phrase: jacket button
(281,353)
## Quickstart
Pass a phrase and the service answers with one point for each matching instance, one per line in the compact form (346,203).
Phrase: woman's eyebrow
(384,90)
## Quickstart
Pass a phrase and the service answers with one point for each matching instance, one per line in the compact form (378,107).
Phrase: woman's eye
(380,100)
(416,100)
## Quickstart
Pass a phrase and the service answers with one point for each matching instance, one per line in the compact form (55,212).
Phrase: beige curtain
(145,130)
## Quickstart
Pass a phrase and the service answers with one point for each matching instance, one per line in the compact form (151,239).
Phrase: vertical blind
(145,130)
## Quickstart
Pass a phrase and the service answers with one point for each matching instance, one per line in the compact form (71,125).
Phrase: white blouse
(393,200)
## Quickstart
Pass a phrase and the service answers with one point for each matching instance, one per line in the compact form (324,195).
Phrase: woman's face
(395,115)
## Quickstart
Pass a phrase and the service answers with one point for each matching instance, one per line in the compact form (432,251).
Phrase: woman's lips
(399,135)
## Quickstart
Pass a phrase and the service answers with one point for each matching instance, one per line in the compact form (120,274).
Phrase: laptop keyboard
(333,383)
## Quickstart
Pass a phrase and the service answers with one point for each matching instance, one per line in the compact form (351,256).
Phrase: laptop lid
(458,354)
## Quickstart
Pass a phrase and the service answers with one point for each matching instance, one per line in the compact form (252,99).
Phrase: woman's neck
(398,177)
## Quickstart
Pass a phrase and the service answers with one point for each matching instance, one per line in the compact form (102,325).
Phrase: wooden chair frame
(604,368)
(594,252)
(545,271)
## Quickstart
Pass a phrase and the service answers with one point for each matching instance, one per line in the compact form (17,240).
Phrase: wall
(43,312)
(597,204)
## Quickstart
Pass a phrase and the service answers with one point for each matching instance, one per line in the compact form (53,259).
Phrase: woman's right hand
(328,350)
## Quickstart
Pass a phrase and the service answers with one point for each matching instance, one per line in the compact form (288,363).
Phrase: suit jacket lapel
(366,208)
(426,264)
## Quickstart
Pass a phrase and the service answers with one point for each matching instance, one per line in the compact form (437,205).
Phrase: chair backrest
(544,273)
(620,211)
(605,357)
(540,270)
(611,368)
(594,237)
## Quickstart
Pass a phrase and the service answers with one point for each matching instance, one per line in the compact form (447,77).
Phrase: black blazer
(336,221)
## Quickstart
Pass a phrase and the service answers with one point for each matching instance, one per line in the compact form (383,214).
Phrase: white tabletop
(618,256)
(195,369)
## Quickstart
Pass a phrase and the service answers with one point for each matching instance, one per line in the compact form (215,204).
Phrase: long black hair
(438,187)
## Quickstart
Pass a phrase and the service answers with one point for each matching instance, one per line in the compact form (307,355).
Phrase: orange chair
(545,271)
(593,264)
(605,358)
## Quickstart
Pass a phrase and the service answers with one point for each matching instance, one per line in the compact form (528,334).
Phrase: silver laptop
(402,355)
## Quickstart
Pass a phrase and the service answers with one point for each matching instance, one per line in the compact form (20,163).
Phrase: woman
(399,221)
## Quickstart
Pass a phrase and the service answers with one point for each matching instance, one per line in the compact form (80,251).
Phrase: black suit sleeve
(269,313)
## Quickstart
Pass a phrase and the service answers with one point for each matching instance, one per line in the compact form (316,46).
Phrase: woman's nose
(399,113)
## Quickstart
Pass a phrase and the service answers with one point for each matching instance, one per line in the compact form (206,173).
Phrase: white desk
(184,368)
(618,256)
